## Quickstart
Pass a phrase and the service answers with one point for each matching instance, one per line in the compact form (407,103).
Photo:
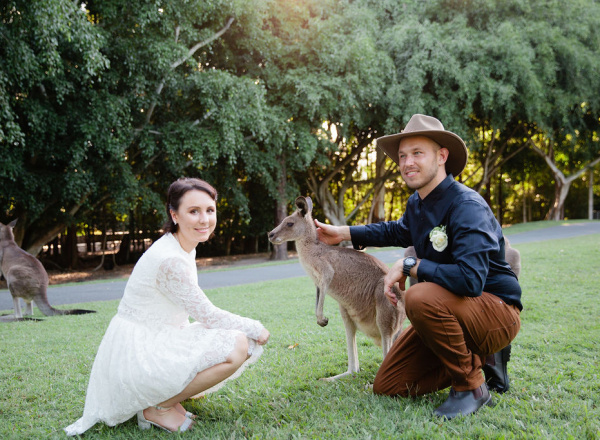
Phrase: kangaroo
(26,277)
(353,278)
(511,255)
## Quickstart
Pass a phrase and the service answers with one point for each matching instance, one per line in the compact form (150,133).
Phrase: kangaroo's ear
(303,206)
(13,223)
(309,204)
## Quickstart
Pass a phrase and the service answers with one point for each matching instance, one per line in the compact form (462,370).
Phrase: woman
(151,357)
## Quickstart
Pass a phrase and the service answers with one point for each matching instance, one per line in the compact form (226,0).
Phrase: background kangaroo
(26,277)
(353,278)
(511,255)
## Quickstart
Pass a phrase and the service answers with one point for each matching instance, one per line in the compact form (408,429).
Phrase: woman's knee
(240,350)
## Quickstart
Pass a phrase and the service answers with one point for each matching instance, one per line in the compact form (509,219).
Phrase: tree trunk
(557,212)
(123,254)
(70,253)
(563,184)
(524,205)
(377,213)
(54,244)
(591,195)
(500,201)
(279,251)
(36,246)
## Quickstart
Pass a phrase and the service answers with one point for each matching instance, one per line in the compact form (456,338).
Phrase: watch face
(409,263)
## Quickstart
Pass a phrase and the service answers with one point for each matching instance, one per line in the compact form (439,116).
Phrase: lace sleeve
(174,280)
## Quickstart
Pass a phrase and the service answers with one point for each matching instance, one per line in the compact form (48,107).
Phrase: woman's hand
(264,337)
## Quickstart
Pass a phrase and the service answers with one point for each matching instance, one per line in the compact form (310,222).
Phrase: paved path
(110,290)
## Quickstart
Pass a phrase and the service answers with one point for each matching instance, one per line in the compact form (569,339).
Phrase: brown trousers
(447,342)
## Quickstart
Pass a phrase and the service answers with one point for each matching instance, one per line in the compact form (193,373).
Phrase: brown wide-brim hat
(428,126)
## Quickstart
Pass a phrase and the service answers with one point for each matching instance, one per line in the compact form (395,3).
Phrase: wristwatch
(409,263)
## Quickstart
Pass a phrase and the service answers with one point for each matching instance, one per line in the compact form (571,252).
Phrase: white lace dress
(151,351)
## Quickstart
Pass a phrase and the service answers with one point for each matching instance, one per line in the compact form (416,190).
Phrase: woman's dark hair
(177,191)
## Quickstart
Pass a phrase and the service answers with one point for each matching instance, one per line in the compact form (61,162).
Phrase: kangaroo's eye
(290,224)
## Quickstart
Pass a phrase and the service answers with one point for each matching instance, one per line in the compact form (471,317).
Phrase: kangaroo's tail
(76,311)
(48,310)
(41,301)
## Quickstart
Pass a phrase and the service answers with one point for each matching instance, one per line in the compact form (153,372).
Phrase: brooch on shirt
(438,238)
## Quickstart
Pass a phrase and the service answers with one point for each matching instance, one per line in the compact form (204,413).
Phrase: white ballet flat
(147,424)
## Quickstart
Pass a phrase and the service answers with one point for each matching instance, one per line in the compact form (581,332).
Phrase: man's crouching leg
(444,322)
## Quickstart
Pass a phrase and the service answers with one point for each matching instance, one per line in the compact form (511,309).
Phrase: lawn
(555,368)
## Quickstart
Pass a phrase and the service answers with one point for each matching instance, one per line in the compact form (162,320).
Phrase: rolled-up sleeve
(394,233)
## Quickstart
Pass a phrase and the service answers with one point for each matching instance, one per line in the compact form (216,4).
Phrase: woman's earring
(174,222)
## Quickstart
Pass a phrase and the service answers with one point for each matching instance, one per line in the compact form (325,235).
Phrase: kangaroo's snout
(273,239)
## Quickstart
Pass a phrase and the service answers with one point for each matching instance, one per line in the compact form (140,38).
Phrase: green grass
(534,226)
(555,368)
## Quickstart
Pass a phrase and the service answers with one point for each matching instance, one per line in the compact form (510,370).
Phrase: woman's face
(196,218)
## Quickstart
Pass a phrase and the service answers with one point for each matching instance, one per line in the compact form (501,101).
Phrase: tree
(51,56)
(110,102)
(491,70)
(316,61)
(562,182)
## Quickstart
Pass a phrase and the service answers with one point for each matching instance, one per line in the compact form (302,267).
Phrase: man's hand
(330,234)
(395,275)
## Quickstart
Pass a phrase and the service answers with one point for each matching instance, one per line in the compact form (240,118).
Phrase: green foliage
(103,104)
(52,58)
(102,115)
(554,367)
(511,69)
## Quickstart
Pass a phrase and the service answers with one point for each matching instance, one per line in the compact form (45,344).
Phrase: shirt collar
(438,192)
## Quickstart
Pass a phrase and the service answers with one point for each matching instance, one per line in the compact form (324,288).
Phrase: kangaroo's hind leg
(28,308)
(17,307)
(351,348)
(389,318)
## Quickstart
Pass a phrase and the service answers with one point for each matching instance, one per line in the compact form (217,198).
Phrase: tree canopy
(104,103)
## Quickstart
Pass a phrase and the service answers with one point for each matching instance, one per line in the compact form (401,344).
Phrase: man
(465,308)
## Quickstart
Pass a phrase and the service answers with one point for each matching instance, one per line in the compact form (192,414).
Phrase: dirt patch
(75,276)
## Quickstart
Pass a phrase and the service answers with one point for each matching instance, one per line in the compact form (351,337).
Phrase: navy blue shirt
(473,260)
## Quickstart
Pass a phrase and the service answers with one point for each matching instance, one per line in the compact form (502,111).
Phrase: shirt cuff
(426,270)
(357,235)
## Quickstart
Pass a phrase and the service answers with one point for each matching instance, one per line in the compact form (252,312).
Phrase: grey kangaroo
(26,277)
(353,278)
(512,256)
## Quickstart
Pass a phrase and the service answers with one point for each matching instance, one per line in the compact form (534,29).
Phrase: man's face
(421,162)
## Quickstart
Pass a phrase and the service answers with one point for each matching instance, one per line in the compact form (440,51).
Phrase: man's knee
(416,301)
(384,387)
(424,300)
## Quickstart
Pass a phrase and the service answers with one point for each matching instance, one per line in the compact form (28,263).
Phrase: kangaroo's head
(6,237)
(6,232)
(297,226)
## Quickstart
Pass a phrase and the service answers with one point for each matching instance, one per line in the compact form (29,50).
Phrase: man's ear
(443,154)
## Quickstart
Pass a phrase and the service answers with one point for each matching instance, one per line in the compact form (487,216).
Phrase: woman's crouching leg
(206,379)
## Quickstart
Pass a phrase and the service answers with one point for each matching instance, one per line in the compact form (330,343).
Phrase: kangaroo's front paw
(323,321)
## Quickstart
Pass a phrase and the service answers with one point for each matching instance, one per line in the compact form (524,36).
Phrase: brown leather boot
(495,370)
(462,403)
